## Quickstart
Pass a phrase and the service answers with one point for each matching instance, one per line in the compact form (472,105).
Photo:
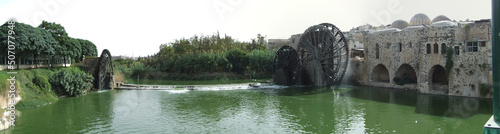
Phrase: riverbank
(32,94)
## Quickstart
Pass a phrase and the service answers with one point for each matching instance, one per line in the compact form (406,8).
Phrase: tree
(238,60)
(28,39)
(88,48)
(257,44)
(58,32)
(261,61)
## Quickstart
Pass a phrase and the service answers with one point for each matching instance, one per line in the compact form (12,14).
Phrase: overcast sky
(139,27)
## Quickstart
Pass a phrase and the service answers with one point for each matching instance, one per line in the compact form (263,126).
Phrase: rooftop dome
(399,24)
(420,19)
(440,18)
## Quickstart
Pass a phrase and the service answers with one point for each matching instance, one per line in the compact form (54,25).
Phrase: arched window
(428,48)
(436,48)
(400,47)
(377,51)
(443,48)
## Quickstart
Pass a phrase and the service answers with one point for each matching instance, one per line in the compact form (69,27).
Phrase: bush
(71,81)
(238,60)
(41,82)
(261,61)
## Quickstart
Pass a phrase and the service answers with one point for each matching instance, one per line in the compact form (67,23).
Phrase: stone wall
(403,52)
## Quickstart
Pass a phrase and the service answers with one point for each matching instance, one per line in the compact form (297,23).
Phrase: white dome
(420,19)
(440,18)
(399,24)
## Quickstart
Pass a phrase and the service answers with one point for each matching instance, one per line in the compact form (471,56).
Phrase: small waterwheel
(285,65)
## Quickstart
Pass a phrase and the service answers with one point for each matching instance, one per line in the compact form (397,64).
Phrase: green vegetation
(47,40)
(202,58)
(449,61)
(36,87)
(71,81)
(32,86)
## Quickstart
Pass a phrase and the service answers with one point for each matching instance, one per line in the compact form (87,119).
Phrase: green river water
(269,109)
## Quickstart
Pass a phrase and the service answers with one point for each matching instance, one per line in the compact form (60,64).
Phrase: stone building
(414,56)
(275,44)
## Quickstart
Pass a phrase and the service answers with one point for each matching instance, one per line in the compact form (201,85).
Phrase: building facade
(438,56)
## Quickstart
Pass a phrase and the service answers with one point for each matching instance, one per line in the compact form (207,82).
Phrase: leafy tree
(28,39)
(67,47)
(87,48)
(238,60)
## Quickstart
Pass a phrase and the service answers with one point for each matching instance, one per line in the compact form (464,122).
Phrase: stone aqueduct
(417,54)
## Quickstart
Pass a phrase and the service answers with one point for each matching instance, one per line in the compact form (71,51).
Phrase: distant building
(275,44)
(414,56)
(294,40)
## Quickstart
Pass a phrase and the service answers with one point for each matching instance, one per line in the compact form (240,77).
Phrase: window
(428,48)
(436,48)
(482,43)
(472,46)
(457,50)
(409,45)
(377,51)
(443,48)
(400,47)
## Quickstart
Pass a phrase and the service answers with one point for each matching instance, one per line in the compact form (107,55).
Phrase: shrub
(41,82)
(261,61)
(71,81)
(238,60)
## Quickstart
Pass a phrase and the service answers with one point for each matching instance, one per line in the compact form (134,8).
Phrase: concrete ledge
(491,127)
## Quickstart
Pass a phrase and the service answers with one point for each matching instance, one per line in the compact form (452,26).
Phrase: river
(269,109)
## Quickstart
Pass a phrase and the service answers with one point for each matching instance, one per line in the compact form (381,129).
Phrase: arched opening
(380,74)
(405,75)
(377,51)
(437,79)
(400,47)
(436,48)
(443,48)
(428,48)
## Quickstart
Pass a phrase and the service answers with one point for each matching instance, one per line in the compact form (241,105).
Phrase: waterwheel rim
(326,44)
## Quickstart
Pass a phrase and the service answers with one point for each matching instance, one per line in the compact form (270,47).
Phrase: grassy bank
(32,95)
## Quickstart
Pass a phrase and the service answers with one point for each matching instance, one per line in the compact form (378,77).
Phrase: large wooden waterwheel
(105,71)
(323,54)
(285,66)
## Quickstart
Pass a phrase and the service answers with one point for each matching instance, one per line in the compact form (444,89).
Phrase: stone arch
(380,74)
(405,75)
(437,79)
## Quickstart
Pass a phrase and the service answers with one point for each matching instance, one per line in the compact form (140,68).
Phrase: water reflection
(260,110)
(89,114)
(436,105)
